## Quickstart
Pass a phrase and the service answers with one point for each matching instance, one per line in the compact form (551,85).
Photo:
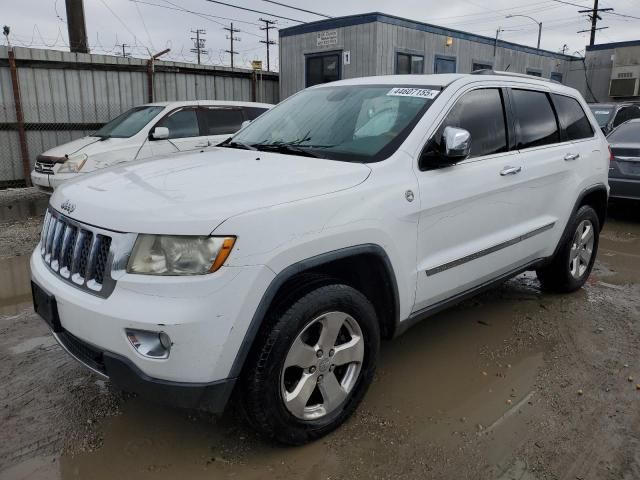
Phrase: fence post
(253,86)
(22,134)
(150,80)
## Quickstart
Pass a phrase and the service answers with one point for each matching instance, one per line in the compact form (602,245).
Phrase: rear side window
(627,133)
(572,118)
(626,113)
(181,123)
(536,120)
(253,112)
(481,113)
(222,121)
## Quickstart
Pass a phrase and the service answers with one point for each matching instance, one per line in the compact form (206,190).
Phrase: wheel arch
(377,282)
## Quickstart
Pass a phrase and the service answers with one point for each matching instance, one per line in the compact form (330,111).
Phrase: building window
(323,68)
(557,76)
(444,64)
(535,73)
(408,63)
(481,66)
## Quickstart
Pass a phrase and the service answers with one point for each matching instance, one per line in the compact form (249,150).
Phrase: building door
(444,65)
(323,68)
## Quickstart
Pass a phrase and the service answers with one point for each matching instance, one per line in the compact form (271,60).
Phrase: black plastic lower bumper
(212,397)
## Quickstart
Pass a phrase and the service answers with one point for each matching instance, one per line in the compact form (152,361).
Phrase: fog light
(149,344)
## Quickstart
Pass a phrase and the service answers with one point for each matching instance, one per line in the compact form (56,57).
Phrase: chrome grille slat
(80,254)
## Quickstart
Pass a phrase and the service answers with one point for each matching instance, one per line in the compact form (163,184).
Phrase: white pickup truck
(268,269)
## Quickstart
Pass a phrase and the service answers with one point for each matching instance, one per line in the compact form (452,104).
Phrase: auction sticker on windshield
(413,92)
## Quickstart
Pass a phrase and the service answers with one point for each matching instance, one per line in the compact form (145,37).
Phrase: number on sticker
(413,92)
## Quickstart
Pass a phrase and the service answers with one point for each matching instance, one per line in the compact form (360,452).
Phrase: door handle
(571,156)
(510,171)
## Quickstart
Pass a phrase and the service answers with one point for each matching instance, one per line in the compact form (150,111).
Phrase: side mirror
(457,144)
(244,124)
(159,133)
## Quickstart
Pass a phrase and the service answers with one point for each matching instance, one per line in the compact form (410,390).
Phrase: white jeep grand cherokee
(270,268)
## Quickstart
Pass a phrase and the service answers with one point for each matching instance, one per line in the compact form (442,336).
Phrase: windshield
(602,114)
(360,123)
(129,123)
(626,133)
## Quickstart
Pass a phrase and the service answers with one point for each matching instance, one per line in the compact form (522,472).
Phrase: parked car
(142,132)
(270,268)
(624,170)
(610,115)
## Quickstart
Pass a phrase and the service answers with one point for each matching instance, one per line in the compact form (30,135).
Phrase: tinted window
(481,113)
(129,123)
(537,122)
(602,114)
(557,76)
(481,66)
(182,123)
(444,65)
(220,121)
(253,112)
(572,118)
(323,69)
(626,113)
(407,63)
(627,133)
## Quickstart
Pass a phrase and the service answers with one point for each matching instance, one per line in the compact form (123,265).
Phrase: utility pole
(267,26)
(198,43)
(594,17)
(495,46)
(76,26)
(232,38)
(124,52)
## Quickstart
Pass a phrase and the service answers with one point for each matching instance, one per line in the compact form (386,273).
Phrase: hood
(191,194)
(87,145)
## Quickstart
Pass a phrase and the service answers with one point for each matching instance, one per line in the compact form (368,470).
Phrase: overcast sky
(158,24)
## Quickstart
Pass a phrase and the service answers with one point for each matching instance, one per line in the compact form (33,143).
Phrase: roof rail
(488,71)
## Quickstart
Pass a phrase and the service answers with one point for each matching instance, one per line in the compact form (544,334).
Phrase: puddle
(445,377)
(15,284)
(21,209)
(619,252)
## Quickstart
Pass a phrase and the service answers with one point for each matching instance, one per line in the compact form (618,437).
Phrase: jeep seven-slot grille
(75,252)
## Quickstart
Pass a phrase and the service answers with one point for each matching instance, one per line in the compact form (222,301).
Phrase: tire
(311,320)
(563,275)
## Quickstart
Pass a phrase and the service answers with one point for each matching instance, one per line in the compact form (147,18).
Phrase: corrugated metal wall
(66,95)
(374,47)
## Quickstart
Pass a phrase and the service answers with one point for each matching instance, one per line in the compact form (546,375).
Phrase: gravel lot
(513,384)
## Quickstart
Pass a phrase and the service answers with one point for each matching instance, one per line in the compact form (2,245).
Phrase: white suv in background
(142,132)
(269,268)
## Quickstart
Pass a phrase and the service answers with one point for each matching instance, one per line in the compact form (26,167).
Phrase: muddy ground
(513,384)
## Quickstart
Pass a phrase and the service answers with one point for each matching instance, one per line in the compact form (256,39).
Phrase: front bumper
(624,188)
(49,182)
(205,316)
(211,397)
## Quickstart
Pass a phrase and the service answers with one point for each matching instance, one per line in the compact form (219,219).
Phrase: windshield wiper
(286,148)
(229,144)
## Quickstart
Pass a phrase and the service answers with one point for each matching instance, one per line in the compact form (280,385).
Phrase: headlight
(73,164)
(178,254)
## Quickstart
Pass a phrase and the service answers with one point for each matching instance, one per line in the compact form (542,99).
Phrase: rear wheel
(314,365)
(573,262)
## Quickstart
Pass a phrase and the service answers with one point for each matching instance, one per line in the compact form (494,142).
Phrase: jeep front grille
(80,254)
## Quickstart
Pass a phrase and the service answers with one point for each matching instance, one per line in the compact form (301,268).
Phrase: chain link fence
(46,126)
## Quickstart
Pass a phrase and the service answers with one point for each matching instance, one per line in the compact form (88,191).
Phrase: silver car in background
(624,170)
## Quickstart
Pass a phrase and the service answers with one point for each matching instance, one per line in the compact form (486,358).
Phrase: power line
(119,19)
(193,12)
(198,43)
(268,25)
(254,11)
(232,38)
(594,17)
(299,9)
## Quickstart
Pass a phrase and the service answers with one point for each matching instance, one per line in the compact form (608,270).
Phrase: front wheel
(314,365)
(570,268)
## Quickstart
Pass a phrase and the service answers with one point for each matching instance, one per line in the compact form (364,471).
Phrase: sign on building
(328,37)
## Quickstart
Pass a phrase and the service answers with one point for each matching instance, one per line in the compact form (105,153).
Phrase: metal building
(380,44)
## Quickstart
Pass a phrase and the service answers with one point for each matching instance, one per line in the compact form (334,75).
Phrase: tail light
(611,157)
